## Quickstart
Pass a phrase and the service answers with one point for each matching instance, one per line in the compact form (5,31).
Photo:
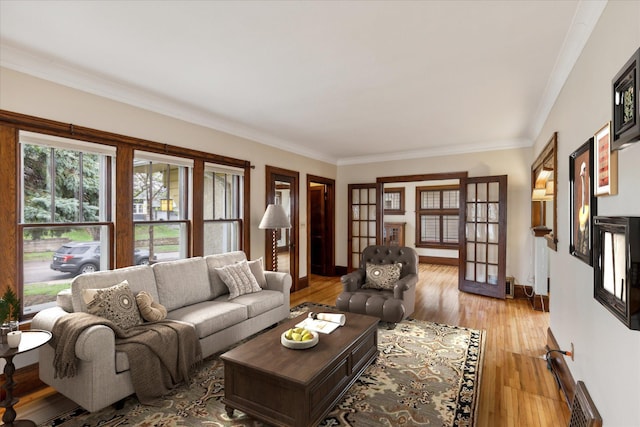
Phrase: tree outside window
(64,215)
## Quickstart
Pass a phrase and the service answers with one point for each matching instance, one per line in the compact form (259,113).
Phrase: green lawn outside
(159,231)
(44,288)
(37,256)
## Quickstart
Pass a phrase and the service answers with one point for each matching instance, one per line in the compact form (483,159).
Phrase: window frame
(105,218)
(440,213)
(236,217)
(12,123)
(399,210)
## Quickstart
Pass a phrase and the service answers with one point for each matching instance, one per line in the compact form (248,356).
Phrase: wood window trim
(11,123)
(441,212)
(400,210)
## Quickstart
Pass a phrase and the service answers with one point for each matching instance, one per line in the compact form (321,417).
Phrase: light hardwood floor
(516,387)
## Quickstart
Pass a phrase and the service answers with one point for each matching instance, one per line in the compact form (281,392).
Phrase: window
(223,207)
(68,216)
(160,208)
(394,201)
(65,216)
(437,216)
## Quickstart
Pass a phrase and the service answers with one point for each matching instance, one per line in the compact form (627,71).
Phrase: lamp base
(274,248)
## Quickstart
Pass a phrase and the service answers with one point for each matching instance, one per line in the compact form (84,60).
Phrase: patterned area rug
(426,374)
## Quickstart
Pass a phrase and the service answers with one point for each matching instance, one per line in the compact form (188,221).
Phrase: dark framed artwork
(582,202)
(626,103)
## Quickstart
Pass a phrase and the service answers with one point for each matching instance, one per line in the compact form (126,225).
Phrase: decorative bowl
(299,345)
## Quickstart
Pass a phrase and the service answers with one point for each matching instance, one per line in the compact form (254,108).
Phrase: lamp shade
(274,217)
(540,195)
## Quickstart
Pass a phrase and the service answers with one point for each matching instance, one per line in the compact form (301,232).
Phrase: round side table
(30,341)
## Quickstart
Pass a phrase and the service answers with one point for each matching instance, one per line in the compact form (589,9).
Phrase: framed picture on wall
(626,103)
(606,163)
(582,202)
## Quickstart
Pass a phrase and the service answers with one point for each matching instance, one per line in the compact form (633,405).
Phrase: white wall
(607,354)
(516,164)
(28,95)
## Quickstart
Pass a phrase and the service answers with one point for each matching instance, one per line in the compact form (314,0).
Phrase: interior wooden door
(318,231)
(483,236)
(321,230)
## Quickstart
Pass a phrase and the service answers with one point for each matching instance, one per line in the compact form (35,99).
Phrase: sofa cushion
(257,268)
(259,302)
(140,278)
(220,260)
(382,276)
(182,282)
(210,316)
(239,279)
(116,303)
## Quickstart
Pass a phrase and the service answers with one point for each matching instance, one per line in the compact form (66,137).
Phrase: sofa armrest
(352,281)
(278,281)
(405,284)
(93,343)
(45,319)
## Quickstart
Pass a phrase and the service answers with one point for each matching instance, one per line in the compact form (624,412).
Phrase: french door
(362,221)
(483,235)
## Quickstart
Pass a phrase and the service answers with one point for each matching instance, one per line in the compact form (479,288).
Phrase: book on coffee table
(322,322)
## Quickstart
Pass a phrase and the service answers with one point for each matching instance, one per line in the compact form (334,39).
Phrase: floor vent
(510,284)
(583,411)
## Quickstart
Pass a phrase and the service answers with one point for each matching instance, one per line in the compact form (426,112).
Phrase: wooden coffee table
(286,387)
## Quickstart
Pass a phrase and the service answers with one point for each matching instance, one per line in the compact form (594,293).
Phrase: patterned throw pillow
(116,303)
(239,279)
(382,276)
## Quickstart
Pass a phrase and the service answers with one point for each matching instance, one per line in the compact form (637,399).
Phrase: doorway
(282,189)
(321,229)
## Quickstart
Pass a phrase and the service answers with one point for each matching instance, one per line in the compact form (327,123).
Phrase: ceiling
(341,81)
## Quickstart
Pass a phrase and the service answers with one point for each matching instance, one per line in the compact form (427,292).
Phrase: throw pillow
(257,269)
(382,276)
(116,303)
(239,279)
(150,310)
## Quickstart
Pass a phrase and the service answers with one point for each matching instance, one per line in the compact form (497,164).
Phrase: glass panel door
(362,221)
(484,236)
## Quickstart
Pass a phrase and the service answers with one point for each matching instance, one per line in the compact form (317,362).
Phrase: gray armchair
(381,293)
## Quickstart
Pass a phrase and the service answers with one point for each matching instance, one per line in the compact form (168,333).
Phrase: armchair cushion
(384,285)
(382,276)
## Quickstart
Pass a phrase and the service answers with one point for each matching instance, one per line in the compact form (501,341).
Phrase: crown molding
(584,21)
(438,151)
(51,69)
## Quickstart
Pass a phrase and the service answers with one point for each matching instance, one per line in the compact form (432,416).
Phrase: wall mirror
(544,203)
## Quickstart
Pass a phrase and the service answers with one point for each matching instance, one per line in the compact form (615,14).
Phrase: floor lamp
(273,219)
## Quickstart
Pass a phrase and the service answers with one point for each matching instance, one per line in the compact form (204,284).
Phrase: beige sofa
(190,289)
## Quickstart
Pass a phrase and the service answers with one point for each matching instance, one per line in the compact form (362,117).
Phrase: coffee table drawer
(336,380)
